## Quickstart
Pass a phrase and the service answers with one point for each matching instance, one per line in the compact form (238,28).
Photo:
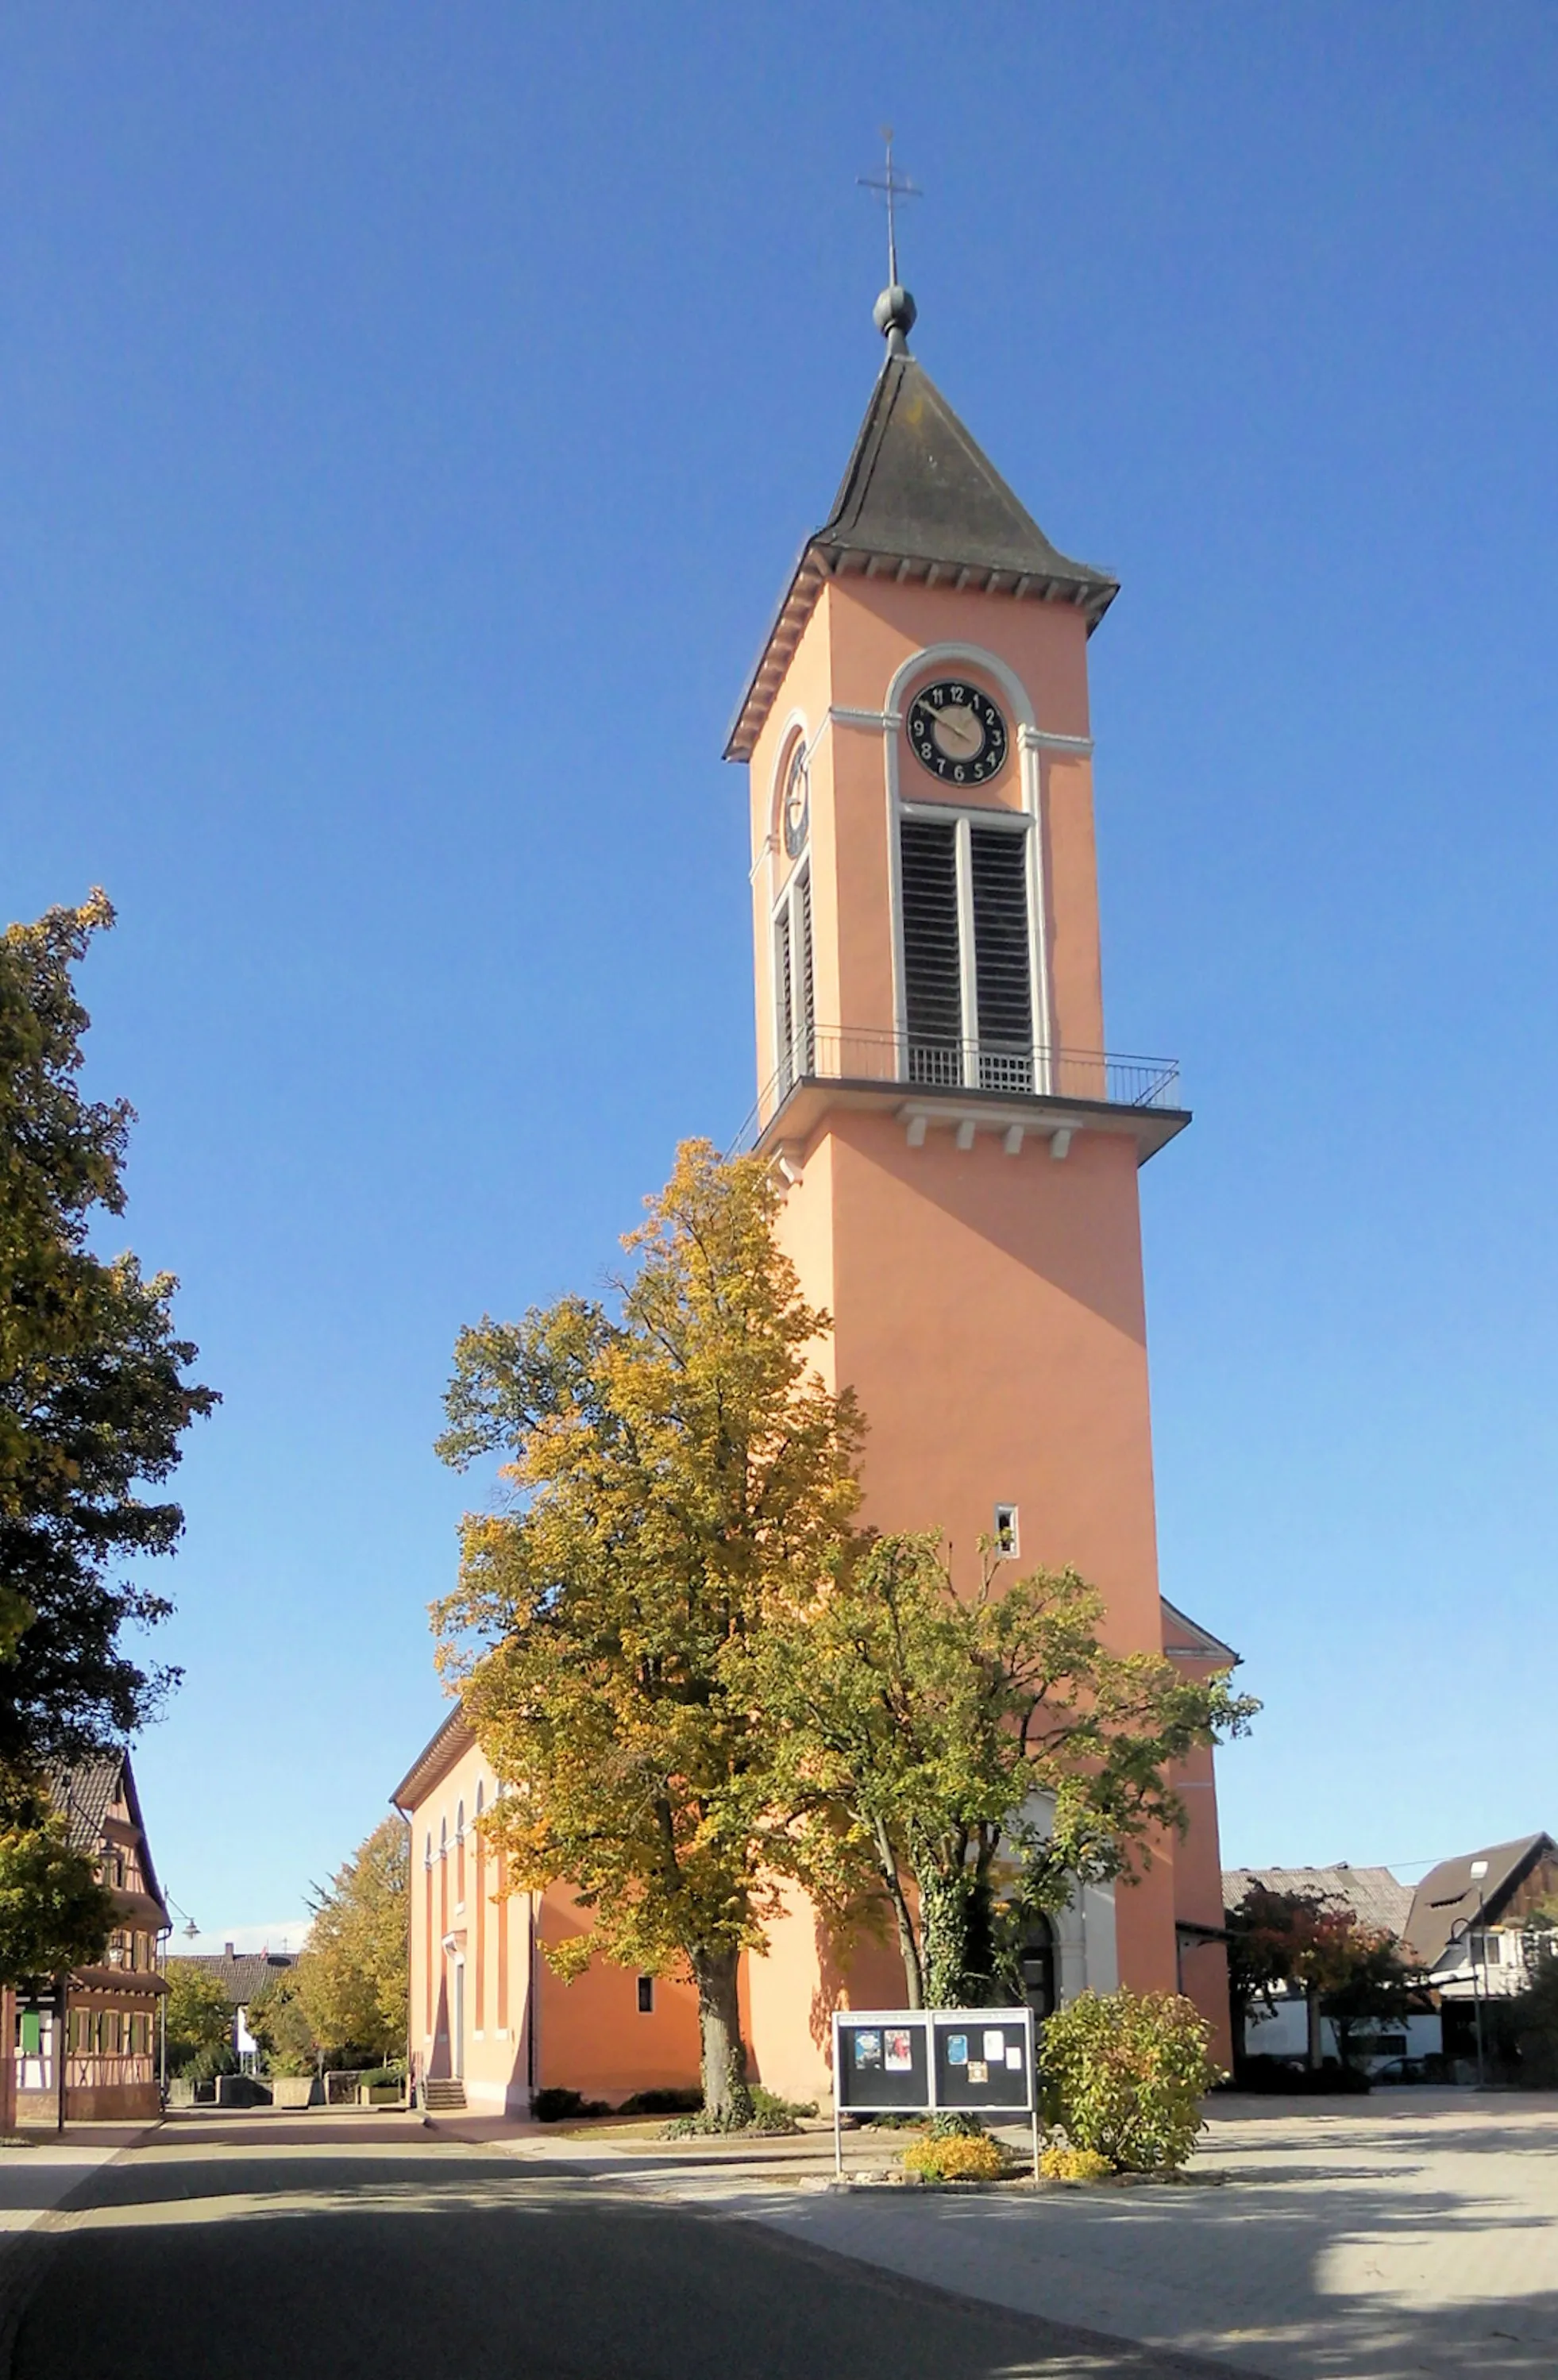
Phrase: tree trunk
(726,2099)
(944,1909)
(914,1977)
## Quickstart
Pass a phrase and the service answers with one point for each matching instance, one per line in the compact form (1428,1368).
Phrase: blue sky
(409,414)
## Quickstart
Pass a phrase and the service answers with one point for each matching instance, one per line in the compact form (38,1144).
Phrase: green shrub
(662,2103)
(957,2156)
(1074,2165)
(1125,2074)
(555,2104)
(765,2113)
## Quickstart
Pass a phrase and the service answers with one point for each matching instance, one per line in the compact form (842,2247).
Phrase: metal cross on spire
(892,186)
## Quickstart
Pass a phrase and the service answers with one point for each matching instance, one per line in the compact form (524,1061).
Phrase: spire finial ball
(894,315)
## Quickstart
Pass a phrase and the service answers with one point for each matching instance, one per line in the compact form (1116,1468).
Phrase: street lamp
(1478,1946)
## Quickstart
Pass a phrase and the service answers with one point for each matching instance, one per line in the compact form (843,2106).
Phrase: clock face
(798,804)
(956,733)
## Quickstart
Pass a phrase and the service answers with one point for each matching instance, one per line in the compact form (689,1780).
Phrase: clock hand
(961,728)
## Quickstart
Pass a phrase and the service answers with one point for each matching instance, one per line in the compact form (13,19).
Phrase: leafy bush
(1074,2165)
(662,2103)
(1125,2074)
(766,2116)
(768,2108)
(557,2104)
(957,2156)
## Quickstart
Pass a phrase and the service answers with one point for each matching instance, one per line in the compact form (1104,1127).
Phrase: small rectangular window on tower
(646,1995)
(1008,1545)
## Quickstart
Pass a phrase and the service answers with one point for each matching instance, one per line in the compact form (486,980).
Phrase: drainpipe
(62,2036)
(7,2060)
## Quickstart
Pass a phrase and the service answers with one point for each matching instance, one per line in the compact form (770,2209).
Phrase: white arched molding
(1086,1948)
(979,663)
(772,847)
(785,890)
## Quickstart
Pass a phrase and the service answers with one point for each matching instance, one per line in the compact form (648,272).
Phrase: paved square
(1413,2233)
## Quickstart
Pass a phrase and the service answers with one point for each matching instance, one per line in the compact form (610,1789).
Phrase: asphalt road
(222,2251)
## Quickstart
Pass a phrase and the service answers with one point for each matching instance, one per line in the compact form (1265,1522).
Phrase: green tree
(199,2018)
(352,1978)
(680,1471)
(986,1753)
(283,2030)
(54,1913)
(93,1398)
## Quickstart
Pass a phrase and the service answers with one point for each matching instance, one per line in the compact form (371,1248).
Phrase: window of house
(1009,1544)
(967,974)
(646,1995)
(795,992)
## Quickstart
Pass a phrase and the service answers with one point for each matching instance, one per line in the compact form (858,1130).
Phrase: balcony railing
(1008,1070)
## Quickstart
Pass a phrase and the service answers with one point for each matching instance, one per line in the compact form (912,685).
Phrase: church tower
(960,1156)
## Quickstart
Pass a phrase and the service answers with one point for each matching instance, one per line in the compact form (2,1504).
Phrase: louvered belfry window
(969,1012)
(998,870)
(794,984)
(932,960)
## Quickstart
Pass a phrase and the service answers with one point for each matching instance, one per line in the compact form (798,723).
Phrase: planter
(293,2090)
(382,2095)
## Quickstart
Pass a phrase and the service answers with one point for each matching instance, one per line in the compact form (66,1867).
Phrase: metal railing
(1012,1070)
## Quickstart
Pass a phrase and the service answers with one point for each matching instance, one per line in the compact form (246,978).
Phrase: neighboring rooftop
(1449,1897)
(1375,1896)
(243,1974)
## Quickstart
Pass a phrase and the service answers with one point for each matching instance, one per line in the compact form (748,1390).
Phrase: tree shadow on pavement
(236,2267)
(1299,2282)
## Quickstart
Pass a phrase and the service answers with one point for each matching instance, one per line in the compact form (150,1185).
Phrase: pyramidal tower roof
(920,499)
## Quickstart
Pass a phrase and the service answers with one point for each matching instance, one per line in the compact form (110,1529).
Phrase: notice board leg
(838,2140)
(1036,2140)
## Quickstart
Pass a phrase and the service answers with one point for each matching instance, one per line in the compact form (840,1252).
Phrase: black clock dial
(957,732)
(798,804)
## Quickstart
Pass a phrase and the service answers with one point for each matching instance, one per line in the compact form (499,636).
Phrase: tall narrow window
(932,961)
(795,995)
(998,870)
(968,978)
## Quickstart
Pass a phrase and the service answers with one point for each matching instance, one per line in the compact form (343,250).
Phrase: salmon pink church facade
(959,1162)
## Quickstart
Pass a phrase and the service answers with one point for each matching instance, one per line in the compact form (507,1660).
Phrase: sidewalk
(1413,2233)
(35,2180)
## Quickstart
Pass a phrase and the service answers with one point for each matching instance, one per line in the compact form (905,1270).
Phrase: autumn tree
(282,2029)
(352,1977)
(678,1473)
(94,1393)
(199,2017)
(988,1753)
(1310,1942)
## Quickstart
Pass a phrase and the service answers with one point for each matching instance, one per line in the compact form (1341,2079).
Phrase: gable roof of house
(1374,1895)
(1449,1896)
(920,499)
(1189,1639)
(85,1792)
(437,1756)
(243,1976)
